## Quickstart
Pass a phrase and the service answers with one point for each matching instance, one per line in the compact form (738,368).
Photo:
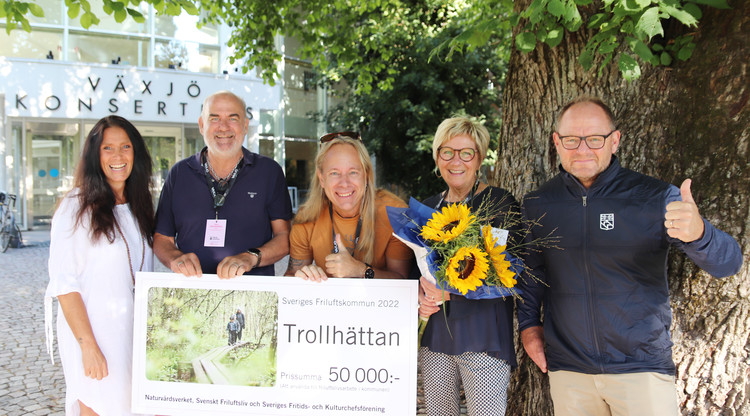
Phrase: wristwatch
(255,252)
(369,272)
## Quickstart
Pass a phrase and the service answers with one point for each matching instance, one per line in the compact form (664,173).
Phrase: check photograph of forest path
(212,336)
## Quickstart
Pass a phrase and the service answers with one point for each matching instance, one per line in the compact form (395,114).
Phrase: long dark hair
(95,194)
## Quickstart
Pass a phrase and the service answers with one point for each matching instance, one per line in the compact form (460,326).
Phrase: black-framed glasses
(595,141)
(466,154)
(330,136)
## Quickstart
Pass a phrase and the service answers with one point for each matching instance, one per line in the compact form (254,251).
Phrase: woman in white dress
(101,236)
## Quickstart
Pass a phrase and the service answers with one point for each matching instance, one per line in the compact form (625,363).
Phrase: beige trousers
(634,394)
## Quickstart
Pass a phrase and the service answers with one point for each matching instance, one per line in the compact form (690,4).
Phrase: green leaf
(656,47)
(25,25)
(556,8)
(628,67)
(86,20)
(73,10)
(554,37)
(160,6)
(630,6)
(665,59)
(478,37)
(541,35)
(173,9)
(686,52)
(572,18)
(649,24)
(582,2)
(514,19)
(36,10)
(535,12)
(136,15)
(627,26)
(526,41)
(120,15)
(679,14)
(719,4)
(694,10)
(597,20)
(642,50)
(85,5)
(586,59)
(189,8)
(608,47)
(536,7)
(607,59)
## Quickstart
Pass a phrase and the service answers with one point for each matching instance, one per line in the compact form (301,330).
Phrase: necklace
(127,248)
(466,200)
(221,180)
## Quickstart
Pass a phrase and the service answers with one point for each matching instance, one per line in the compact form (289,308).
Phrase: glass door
(162,143)
(54,149)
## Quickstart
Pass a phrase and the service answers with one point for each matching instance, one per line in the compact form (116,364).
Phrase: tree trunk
(690,120)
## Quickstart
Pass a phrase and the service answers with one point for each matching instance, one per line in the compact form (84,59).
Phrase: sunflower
(502,266)
(467,268)
(450,223)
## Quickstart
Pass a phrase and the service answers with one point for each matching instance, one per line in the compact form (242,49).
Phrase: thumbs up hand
(683,221)
(342,264)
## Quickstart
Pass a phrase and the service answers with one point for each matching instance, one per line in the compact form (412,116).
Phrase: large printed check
(340,347)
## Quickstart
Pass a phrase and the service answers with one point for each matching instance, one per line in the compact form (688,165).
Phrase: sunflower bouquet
(459,251)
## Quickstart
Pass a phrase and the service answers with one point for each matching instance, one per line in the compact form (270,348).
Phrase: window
(38,44)
(300,165)
(184,27)
(53,12)
(109,49)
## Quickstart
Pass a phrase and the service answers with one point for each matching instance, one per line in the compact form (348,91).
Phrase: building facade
(59,79)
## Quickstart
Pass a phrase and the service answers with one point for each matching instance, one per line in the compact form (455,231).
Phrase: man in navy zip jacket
(606,303)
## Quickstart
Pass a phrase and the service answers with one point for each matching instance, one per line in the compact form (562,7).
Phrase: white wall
(52,89)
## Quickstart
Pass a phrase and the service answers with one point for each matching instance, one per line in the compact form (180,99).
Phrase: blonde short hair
(455,126)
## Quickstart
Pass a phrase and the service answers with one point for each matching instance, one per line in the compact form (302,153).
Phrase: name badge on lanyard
(216,231)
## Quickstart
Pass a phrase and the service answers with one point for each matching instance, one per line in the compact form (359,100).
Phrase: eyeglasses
(330,136)
(447,153)
(594,142)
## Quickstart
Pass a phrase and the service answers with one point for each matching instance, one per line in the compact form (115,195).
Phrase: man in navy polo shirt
(224,210)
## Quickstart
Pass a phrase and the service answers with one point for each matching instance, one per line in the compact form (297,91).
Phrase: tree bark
(690,120)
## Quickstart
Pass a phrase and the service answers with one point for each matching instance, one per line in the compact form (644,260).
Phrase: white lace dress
(99,271)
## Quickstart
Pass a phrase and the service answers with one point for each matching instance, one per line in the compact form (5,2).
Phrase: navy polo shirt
(259,196)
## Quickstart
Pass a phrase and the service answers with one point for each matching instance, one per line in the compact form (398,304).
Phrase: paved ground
(29,383)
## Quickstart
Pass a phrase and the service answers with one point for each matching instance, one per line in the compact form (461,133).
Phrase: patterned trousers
(485,381)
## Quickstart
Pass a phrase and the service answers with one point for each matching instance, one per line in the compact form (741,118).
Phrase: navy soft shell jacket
(607,302)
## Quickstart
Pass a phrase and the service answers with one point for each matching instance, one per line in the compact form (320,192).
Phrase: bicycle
(10,234)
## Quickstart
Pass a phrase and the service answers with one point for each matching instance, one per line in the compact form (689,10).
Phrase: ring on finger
(180,263)
(671,224)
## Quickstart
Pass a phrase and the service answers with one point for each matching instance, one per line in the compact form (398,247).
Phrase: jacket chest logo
(607,222)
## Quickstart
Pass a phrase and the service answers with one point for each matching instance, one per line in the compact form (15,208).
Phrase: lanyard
(221,196)
(333,233)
